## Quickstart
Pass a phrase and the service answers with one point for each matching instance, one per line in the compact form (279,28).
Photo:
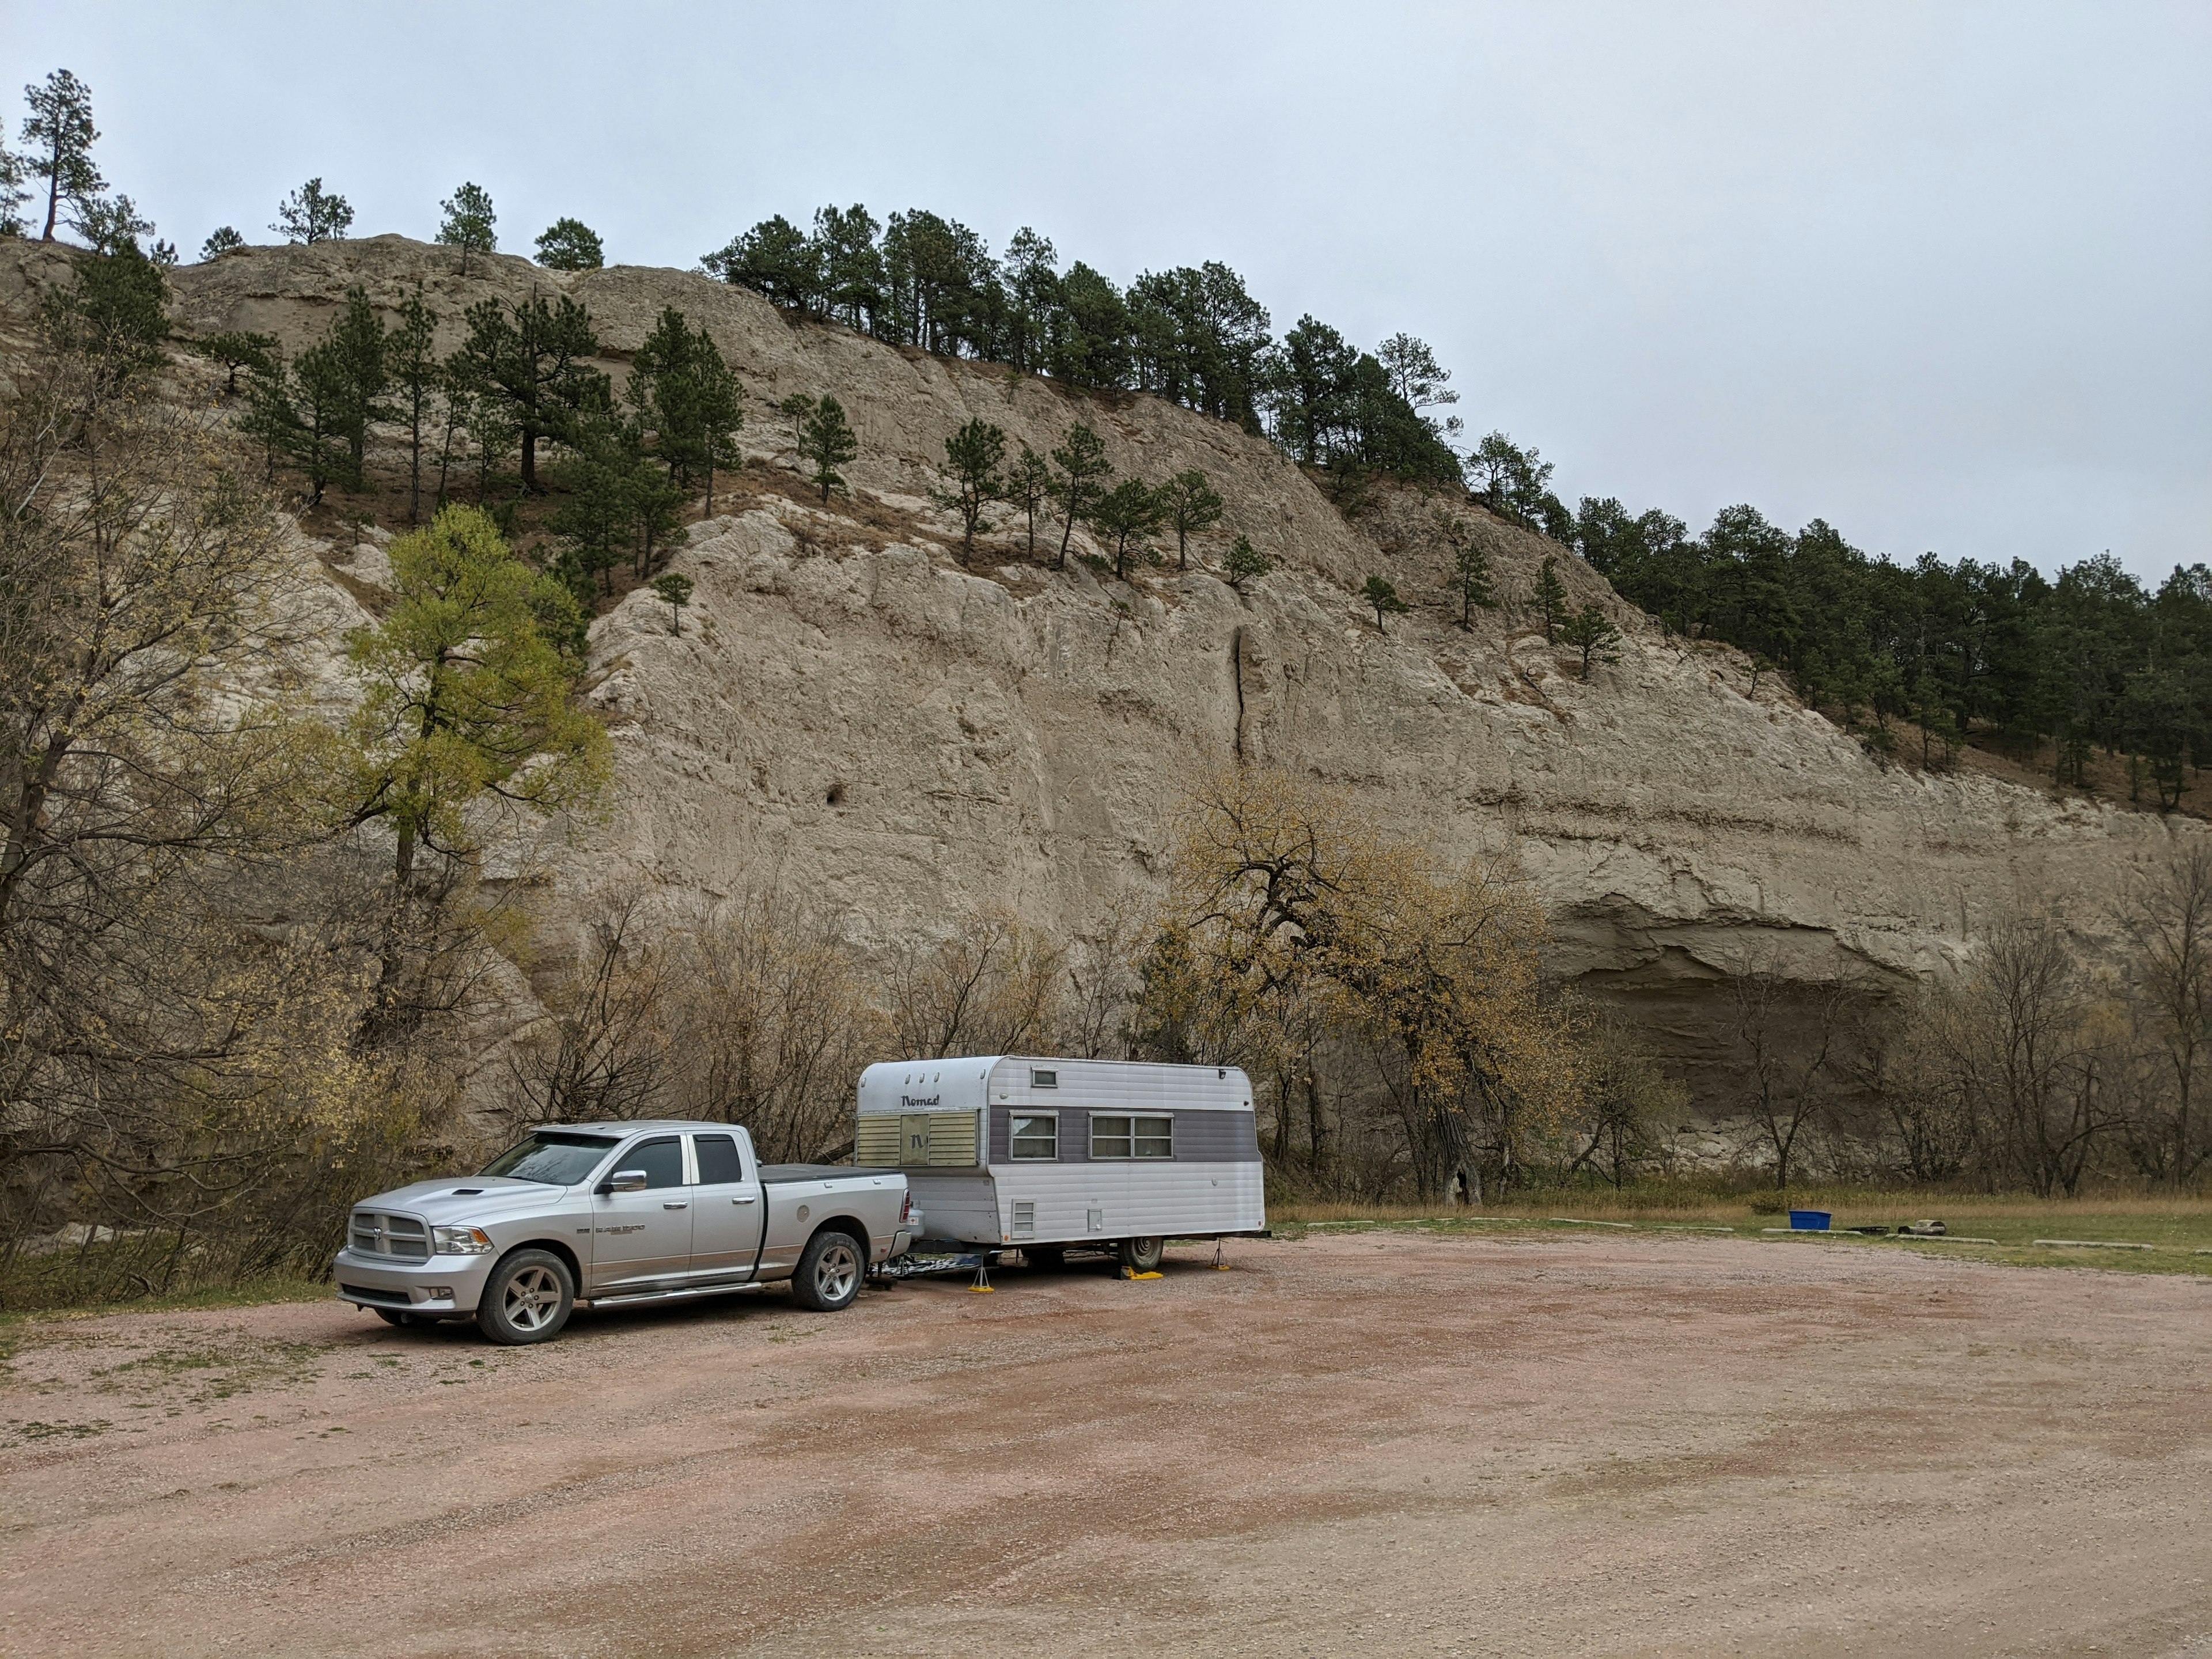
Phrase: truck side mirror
(624,1180)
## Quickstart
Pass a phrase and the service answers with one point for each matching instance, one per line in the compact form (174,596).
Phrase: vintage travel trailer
(1047,1155)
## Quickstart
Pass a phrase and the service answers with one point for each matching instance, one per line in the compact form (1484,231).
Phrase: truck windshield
(555,1157)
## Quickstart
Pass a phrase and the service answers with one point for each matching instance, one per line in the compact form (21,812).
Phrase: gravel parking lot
(1380,1443)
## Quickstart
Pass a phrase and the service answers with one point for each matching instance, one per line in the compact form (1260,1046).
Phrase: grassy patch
(2176,1229)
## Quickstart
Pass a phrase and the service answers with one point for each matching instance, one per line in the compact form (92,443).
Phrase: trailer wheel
(1143,1254)
(829,1270)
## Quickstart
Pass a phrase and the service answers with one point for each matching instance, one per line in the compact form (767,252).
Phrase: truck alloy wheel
(828,1276)
(528,1298)
(1142,1254)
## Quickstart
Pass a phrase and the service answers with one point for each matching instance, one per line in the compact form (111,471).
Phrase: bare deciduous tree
(2168,917)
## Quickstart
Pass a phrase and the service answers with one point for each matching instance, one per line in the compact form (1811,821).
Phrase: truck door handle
(747,1199)
(685,1205)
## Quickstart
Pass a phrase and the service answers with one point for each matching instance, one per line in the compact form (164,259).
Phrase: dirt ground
(1361,1443)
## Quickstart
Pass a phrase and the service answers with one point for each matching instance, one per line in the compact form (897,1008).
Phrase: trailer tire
(830,1269)
(1142,1255)
(527,1298)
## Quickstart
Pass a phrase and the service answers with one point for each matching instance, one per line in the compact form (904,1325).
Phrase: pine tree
(468,224)
(466,684)
(1245,564)
(1081,480)
(795,409)
(603,459)
(675,592)
(57,137)
(972,456)
(338,389)
(235,351)
(1591,631)
(13,193)
(1383,595)
(569,244)
(533,357)
(1471,576)
(826,441)
(1129,513)
(1028,486)
(1550,599)
(310,214)
(1188,504)
(220,242)
(687,399)
(415,377)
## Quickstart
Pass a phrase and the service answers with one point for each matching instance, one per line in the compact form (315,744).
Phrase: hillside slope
(850,710)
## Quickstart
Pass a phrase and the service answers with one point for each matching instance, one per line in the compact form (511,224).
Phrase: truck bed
(773,1174)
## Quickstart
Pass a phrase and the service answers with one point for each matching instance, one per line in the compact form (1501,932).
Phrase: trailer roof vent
(1042,1078)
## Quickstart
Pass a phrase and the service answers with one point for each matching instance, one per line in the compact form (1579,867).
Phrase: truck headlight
(459,1240)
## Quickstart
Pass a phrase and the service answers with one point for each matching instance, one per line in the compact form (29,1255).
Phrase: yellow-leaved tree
(1293,926)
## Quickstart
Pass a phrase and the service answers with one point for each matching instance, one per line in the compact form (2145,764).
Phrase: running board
(685,1293)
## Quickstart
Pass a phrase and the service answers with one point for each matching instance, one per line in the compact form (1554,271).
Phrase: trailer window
(1040,1078)
(1132,1137)
(1036,1135)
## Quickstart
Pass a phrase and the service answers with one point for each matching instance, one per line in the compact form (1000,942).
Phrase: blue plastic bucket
(1810,1221)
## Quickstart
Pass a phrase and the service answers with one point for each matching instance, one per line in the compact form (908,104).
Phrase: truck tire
(527,1298)
(1142,1255)
(830,1272)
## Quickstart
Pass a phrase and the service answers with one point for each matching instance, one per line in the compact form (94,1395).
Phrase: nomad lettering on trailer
(910,1105)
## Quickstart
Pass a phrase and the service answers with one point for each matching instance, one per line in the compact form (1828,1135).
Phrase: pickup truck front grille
(401,1238)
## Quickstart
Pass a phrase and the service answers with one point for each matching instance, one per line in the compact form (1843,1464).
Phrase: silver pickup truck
(615,1212)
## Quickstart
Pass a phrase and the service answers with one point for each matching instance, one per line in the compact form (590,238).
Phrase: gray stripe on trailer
(1201,1137)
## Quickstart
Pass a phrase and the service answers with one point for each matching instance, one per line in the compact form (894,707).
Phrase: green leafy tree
(1078,482)
(1028,487)
(1245,564)
(675,592)
(221,241)
(311,214)
(1550,599)
(57,137)
(570,245)
(1127,514)
(1188,505)
(468,223)
(687,400)
(466,692)
(233,351)
(972,458)
(415,375)
(826,442)
(532,356)
(1383,597)
(1591,632)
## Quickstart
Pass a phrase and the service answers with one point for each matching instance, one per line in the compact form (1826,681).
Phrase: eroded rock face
(850,710)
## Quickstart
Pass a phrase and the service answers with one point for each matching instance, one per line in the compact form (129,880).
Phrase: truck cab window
(662,1160)
(720,1164)
(1035,1136)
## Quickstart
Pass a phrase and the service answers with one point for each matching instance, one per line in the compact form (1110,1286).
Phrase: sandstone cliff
(850,709)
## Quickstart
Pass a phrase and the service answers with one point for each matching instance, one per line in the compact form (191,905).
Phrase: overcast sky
(1941,275)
